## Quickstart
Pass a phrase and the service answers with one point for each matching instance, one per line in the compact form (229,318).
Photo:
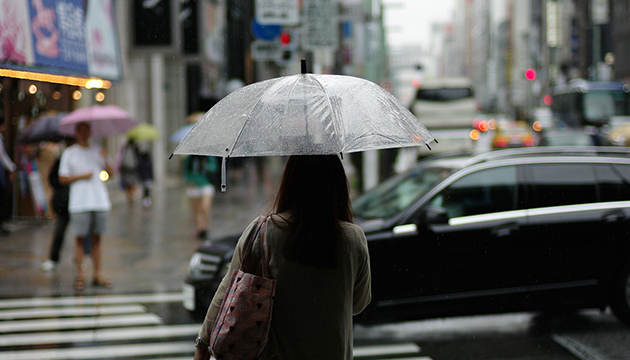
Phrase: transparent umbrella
(304,114)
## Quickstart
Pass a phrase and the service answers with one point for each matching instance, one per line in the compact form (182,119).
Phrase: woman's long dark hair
(314,193)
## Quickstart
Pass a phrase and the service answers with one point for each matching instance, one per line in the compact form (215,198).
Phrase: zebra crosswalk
(116,327)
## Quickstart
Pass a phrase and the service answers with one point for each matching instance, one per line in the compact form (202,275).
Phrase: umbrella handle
(223,173)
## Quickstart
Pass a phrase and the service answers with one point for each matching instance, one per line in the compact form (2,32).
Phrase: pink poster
(15,36)
(102,40)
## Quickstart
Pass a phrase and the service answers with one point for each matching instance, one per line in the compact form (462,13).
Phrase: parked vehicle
(528,229)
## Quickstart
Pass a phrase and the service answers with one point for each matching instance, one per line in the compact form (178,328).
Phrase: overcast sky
(408,22)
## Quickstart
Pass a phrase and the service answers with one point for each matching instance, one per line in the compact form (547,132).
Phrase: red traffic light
(285,38)
(530,74)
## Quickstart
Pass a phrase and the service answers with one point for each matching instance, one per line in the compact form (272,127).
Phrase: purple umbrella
(104,119)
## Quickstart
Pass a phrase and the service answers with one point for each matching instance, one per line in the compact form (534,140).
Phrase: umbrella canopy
(46,128)
(181,133)
(143,132)
(104,119)
(304,114)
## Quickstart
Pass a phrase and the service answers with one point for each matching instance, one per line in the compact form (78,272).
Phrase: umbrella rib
(334,120)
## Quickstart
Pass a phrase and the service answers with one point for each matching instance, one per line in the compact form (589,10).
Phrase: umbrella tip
(303,62)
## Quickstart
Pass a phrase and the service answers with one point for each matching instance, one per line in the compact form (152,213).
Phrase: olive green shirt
(313,307)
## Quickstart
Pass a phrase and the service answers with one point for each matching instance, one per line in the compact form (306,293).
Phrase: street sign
(280,12)
(265,50)
(265,32)
(321,25)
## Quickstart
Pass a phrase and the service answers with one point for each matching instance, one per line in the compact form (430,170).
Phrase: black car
(531,229)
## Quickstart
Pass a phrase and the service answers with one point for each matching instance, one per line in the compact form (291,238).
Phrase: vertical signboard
(57,33)
(321,25)
(553,26)
(102,40)
(277,12)
(16,44)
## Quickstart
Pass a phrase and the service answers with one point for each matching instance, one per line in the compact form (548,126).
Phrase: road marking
(98,352)
(579,350)
(101,335)
(79,323)
(91,300)
(395,349)
(70,311)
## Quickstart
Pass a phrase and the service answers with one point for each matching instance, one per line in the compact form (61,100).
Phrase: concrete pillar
(158,114)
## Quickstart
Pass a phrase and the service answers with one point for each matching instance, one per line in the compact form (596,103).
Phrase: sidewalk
(145,250)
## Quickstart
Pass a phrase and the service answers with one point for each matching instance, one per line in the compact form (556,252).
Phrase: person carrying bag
(319,260)
(242,325)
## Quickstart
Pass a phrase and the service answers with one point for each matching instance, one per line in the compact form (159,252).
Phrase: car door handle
(613,216)
(504,230)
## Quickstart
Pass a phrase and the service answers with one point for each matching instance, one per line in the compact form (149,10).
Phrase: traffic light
(288,46)
(530,74)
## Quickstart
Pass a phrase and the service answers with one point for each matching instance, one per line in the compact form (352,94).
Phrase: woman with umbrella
(319,259)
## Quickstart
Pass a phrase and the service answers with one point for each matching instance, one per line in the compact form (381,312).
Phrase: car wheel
(621,295)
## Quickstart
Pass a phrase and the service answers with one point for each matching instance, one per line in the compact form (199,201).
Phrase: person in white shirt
(89,204)
(6,165)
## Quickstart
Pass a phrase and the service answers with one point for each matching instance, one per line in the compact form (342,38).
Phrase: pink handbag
(241,328)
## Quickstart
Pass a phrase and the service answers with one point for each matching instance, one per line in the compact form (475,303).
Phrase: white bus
(447,107)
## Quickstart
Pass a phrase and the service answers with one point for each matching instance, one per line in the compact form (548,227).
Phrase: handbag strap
(259,228)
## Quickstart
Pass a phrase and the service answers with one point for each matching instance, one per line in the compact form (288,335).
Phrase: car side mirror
(435,215)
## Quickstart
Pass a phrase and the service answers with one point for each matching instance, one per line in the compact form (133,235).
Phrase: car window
(398,193)
(482,192)
(562,184)
(613,182)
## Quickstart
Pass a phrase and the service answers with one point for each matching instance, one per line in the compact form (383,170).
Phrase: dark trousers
(4,205)
(63,219)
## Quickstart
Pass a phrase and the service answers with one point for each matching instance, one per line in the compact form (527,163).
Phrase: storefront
(48,65)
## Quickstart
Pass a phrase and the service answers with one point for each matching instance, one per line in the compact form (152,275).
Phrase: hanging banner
(16,45)
(102,40)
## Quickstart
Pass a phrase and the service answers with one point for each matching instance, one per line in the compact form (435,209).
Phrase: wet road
(146,256)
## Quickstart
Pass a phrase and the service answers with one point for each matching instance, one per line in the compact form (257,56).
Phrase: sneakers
(49,265)
(146,203)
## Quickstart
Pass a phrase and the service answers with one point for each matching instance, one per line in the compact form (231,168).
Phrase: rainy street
(146,256)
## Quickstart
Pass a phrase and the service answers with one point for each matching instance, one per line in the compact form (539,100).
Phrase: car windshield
(396,194)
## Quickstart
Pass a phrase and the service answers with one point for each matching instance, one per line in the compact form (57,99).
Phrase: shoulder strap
(249,242)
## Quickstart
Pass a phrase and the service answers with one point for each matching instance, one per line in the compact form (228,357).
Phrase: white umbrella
(304,114)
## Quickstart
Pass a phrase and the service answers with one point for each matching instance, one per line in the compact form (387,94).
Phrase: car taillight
(500,142)
(528,141)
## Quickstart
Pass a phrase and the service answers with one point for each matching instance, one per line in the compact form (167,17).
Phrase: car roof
(461,160)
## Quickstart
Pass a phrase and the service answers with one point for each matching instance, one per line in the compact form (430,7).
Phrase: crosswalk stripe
(99,352)
(78,323)
(394,349)
(69,311)
(101,335)
(91,300)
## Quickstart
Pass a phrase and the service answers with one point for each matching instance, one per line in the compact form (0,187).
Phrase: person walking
(145,170)
(198,174)
(128,161)
(319,260)
(89,202)
(7,170)
(59,204)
